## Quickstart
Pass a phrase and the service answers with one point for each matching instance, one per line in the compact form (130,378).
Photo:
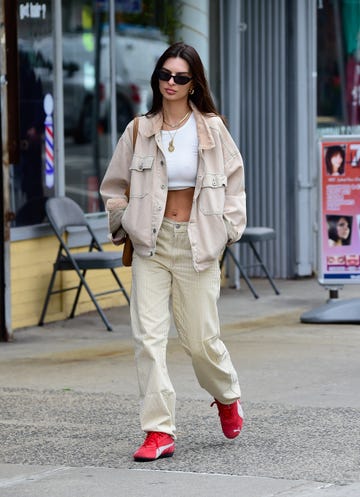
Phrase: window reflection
(339,63)
(86,124)
(87,88)
(142,32)
(28,179)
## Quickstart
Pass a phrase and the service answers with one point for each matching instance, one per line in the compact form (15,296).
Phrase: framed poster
(339,210)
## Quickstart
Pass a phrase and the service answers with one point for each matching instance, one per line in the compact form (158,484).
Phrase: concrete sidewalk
(69,407)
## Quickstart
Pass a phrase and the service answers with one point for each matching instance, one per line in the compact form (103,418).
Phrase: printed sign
(340,210)
(32,10)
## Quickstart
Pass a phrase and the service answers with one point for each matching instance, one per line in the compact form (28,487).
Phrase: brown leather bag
(128,246)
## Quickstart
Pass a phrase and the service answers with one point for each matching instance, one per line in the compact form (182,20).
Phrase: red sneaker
(231,418)
(155,446)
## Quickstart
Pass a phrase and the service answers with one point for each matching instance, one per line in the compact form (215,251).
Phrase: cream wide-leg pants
(194,298)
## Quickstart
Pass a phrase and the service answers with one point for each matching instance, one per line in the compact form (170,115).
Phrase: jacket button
(154,230)
(163,187)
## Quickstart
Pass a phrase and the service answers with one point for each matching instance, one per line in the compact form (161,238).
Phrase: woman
(187,201)
(339,230)
(335,160)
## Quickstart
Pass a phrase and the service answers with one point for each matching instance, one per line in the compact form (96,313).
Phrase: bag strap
(135,131)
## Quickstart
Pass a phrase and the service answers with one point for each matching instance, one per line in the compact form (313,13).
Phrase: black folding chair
(63,212)
(252,235)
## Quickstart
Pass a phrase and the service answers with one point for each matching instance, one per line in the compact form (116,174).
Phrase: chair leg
(47,298)
(258,257)
(92,296)
(242,272)
(76,299)
(122,288)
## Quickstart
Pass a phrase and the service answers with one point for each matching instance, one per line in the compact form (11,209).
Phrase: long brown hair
(201,97)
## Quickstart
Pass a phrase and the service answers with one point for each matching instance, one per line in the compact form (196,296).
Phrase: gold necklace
(171,146)
(177,124)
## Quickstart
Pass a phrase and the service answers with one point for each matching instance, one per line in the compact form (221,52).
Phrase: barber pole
(49,141)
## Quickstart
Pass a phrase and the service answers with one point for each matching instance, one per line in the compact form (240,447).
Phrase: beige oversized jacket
(218,214)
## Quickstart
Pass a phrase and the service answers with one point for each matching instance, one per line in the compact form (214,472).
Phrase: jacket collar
(153,124)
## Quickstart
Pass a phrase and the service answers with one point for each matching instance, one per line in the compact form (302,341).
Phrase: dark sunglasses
(179,80)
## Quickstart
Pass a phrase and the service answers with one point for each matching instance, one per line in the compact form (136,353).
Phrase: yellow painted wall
(31,267)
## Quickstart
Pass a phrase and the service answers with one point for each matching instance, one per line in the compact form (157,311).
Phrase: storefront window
(32,177)
(139,41)
(338,91)
(86,86)
(143,30)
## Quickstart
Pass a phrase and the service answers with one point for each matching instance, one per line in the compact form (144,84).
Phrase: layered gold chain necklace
(180,122)
(171,146)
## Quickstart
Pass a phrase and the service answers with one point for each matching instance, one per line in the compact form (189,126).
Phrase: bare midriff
(178,204)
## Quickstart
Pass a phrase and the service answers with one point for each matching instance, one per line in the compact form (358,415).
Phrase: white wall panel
(261,98)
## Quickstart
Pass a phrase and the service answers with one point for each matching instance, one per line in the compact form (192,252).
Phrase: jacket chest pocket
(141,175)
(212,194)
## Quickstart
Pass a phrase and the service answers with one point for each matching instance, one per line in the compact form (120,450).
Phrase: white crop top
(182,163)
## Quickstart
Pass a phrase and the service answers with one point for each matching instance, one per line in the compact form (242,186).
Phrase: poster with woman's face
(339,230)
(340,211)
(335,160)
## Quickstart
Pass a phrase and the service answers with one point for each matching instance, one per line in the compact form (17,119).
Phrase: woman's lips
(170,91)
